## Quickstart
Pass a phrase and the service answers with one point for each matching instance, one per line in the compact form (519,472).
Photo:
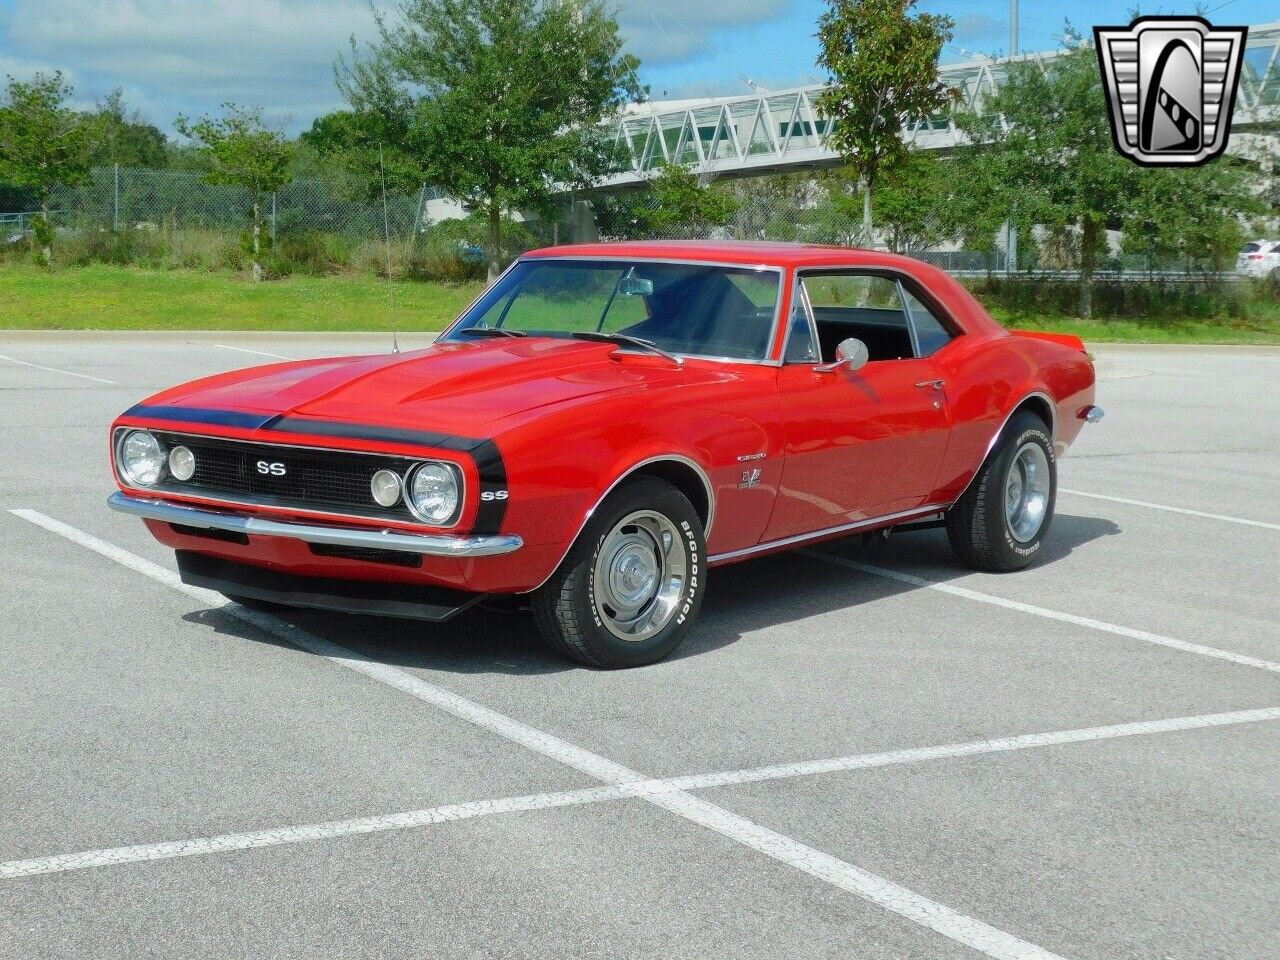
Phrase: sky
(189,56)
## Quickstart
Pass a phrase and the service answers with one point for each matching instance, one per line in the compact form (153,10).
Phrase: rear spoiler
(1065,339)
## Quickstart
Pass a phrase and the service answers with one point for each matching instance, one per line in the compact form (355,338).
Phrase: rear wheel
(1001,522)
(633,582)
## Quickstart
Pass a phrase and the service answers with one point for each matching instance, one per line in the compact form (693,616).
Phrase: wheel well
(1041,407)
(685,478)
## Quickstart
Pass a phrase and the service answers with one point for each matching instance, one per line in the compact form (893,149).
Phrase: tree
(680,200)
(914,205)
(241,150)
(1043,141)
(883,62)
(43,144)
(127,137)
(374,140)
(500,98)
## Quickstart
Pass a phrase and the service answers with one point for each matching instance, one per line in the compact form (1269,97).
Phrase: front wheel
(633,582)
(1001,522)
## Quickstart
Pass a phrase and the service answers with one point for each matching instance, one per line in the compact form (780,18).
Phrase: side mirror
(851,353)
(633,286)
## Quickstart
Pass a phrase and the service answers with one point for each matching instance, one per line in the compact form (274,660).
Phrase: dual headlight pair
(431,490)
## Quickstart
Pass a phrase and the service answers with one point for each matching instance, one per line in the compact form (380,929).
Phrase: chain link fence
(175,218)
(792,209)
(116,198)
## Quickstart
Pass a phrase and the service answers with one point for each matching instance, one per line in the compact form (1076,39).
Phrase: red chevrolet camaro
(605,424)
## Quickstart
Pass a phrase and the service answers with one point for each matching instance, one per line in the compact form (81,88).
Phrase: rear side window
(1251,248)
(931,334)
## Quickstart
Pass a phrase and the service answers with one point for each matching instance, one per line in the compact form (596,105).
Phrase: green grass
(125,298)
(1260,327)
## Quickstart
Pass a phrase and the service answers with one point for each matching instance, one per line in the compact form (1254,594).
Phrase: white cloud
(663,31)
(191,55)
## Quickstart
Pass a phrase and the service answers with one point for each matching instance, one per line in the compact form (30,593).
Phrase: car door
(865,443)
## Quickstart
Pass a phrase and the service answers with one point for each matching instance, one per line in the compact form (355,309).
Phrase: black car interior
(882,329)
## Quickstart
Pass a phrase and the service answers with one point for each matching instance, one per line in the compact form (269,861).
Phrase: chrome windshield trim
(765,361)
(800,538)
(435,545)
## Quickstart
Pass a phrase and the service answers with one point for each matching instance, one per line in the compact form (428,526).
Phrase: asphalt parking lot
(865,751)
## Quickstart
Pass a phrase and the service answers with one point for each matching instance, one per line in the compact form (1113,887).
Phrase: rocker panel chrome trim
(785,542)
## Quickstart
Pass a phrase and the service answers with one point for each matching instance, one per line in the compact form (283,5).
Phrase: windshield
(684,308)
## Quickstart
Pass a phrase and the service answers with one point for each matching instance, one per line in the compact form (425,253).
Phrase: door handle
(935,384)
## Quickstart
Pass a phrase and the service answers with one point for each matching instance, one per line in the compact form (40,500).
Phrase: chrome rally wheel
(640,576)
(1027,488)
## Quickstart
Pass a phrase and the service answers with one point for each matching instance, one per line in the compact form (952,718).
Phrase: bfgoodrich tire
(1001,522)
(632,584)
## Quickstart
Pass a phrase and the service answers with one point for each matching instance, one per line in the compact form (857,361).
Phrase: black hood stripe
(221,418)
(490,466)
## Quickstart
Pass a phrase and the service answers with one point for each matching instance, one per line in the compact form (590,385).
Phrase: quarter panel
(986,380)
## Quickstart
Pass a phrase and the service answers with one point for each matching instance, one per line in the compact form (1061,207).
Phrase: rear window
(1251,248)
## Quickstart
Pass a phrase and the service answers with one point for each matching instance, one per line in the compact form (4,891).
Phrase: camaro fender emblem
(1171,87)
(750,478)
(276,469)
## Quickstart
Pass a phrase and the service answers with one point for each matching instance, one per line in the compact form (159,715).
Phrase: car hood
(453,388)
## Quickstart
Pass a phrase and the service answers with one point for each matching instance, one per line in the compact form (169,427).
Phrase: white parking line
(65,373)
(259,353)
(413,819)
(227,842)
(1169,509)
(1143,635)
(897,899)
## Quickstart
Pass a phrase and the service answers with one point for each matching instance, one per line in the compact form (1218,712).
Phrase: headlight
(433,493)
(182,463)
(141,458)
(385,488)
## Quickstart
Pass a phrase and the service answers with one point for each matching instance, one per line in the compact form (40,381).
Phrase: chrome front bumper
(427,544)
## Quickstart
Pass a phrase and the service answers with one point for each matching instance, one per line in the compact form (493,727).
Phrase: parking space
(140,714)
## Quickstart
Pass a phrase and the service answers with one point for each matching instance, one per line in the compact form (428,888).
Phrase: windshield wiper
(622,340)
(491,332)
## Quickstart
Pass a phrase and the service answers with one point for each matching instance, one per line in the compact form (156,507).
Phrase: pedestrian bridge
(779,131)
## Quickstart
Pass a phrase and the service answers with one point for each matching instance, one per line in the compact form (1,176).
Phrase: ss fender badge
(494,495)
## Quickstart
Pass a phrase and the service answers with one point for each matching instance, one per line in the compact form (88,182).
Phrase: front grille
(330,481)
(226,536)
(395,558)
